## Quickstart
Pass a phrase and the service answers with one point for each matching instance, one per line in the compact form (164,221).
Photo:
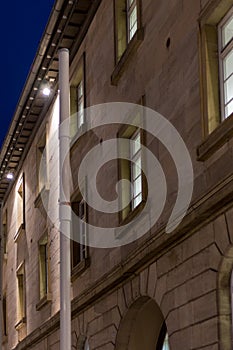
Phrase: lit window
(79,233)
(42,164)
(20,204)
(80,104)
(5,228)
(225,32)
(77,98)
(132,21)
(21,293)
(43,267)
(136,172)
(166,344)
(127,18)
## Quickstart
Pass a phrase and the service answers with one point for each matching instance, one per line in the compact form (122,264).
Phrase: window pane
(228,65)
(133,23)
(136,168)
(229,109)
(136,145)
(166,344)
(227,31)
(228,89)
(137,201)
(137,186)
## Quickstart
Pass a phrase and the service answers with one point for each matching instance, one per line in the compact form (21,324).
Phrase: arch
(225,299)
(142,327)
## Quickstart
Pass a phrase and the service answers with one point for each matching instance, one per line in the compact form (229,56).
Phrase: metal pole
(64,208)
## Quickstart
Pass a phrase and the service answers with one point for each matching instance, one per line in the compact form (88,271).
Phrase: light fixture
(10,176)
(46,91)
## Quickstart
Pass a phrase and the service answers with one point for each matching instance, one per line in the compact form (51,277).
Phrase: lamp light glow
(46,91)
(10,176)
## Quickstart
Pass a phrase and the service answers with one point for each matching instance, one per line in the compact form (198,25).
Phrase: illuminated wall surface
(151,213)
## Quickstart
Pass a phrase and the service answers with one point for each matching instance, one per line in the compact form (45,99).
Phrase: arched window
(86,345)
(163,343)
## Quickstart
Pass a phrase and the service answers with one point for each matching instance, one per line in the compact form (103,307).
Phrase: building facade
(162,291)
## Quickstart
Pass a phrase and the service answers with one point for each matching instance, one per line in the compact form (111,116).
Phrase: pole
(64,200)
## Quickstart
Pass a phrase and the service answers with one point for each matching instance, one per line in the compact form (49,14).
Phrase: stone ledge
(218,200)
(216,139)
(131,48)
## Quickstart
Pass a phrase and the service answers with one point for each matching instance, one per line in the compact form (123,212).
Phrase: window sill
(21,230)
(131,48)
(216,139)
(80,268)
(44,301)
(20,324)
(81,131)
(132,214)
(42,204)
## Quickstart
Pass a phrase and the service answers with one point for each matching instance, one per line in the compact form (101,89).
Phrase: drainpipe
(64,201)
(1,260)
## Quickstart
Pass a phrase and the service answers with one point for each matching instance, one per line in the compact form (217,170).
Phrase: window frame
(44,296)
(123,52)
(223,51)
(83,258)
(20,207)
(216,132)
(128,212)
(78,78)
(21,296)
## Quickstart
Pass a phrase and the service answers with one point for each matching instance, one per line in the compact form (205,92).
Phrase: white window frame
(223,51)
(134,157)
(131,7)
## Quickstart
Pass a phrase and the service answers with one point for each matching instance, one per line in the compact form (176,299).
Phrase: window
(86,345)
(42,164)
(166,344)
(79,248)
(132,21)
(127,24)
(77,98)
(44,267)
(20,197)
(136,172)
(225,38)
(216,74)
(132,192)
(21,294)
(4,311)
(163,342)
(5,228)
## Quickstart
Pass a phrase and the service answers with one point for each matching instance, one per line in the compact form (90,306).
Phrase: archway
(143,327)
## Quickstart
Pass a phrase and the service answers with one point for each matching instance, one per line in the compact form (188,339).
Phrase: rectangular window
(216,74)
(79,250)
(21,293)
(20,194)
(77,98)
(5,229)
(44,267)
(4,311)
(133,191)
(132,20)
(225,37)
(127,22)
(136,172)
(42,163)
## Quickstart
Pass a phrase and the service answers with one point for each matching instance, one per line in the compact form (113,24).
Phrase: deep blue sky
(22,25)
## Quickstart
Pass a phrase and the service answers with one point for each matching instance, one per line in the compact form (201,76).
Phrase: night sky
(22,25)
